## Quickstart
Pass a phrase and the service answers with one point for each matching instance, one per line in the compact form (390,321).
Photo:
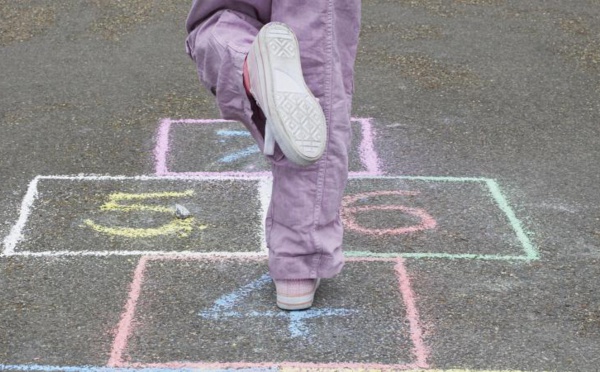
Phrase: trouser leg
(220,34)
(304,229)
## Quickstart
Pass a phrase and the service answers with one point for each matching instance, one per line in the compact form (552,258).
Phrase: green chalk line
(425,178)
(452,256)
(531,252)
(445,179)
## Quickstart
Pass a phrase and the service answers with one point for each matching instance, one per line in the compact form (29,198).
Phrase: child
(285,70)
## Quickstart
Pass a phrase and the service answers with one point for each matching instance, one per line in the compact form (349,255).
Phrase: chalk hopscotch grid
(368,156)
(16,234)
(127,323)
(264,189)
(11,241)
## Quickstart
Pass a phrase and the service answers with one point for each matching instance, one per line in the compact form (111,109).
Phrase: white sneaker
(295,119)
(296,294)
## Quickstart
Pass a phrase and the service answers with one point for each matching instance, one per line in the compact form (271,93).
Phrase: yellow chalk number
(181,227)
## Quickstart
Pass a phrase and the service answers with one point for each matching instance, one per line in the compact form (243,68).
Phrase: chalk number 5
(181,227)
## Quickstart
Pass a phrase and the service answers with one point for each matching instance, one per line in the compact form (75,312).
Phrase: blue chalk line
(228,301)
(233,133)
(240,154)
(222,309)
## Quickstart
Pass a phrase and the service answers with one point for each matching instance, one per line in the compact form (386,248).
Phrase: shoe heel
(269,147)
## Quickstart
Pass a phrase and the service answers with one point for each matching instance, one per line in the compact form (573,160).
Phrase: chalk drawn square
(432,217)
(221,147)
(101,215)
(200,313)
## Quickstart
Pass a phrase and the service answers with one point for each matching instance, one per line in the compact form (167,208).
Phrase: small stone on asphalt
(182,212)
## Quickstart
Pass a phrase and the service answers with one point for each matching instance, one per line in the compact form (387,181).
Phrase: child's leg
(218,42)
(304,230)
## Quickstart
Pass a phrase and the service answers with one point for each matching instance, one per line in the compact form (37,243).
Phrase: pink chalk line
(359,367)
(416,332)
(349,213)
(162,147)
(368,155)
(125,326)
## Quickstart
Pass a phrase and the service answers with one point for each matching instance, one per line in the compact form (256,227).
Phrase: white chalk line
(16,232)
(215,254)
(265,188)
(94,177)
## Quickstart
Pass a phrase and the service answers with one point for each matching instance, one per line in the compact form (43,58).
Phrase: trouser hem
(302,267)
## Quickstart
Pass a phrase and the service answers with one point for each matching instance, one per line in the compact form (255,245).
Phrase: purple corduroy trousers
(303,228)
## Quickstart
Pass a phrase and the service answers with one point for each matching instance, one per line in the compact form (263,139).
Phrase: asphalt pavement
(472,212)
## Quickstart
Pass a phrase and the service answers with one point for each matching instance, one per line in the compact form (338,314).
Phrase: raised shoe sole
(294,114)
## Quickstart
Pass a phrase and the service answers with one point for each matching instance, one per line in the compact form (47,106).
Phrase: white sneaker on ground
(295,119)
(296,294)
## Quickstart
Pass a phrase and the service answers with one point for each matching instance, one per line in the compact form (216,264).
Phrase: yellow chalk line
(112,206)
(113,201)
(181,227)
(149,195)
